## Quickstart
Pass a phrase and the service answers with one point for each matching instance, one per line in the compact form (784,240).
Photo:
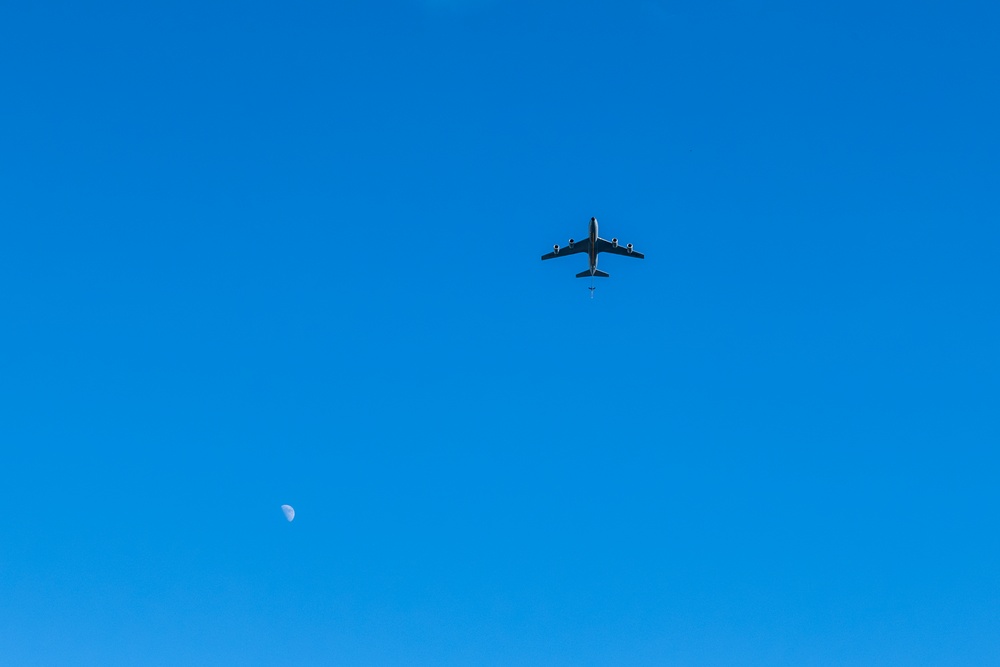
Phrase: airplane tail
(597,273)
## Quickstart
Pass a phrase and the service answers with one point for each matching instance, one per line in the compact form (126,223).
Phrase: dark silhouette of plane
(593,245)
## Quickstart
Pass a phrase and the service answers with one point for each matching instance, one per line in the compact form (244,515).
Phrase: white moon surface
(289,511)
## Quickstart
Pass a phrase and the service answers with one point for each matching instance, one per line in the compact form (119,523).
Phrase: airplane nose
(593,219)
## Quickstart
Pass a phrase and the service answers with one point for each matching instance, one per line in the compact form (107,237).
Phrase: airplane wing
(606,246)
(579,246)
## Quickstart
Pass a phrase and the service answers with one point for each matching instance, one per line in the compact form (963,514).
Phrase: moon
(289,511)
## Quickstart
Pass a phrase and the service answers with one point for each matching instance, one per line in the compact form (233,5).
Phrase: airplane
(593,245)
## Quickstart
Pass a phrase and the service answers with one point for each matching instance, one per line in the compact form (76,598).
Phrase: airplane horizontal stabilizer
(597,273)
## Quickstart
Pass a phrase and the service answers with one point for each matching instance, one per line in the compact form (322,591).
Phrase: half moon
(289,511)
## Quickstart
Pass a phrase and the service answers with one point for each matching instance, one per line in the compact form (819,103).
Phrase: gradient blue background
(257,253)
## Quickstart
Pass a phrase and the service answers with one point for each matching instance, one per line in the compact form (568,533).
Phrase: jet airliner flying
(593,245)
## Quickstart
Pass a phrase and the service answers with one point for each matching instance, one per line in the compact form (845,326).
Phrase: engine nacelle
(571,242)
(555,248)
(629,248)
(614,243)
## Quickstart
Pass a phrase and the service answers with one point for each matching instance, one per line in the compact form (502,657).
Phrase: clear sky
(255,253)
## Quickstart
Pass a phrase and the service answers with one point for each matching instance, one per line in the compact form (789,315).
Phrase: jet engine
(614,243)
(629,248)
(571,242)
(555,248)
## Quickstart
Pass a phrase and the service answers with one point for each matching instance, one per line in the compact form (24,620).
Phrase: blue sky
(261,253)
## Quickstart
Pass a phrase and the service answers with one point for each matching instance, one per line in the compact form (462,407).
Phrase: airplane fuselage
(593,244)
